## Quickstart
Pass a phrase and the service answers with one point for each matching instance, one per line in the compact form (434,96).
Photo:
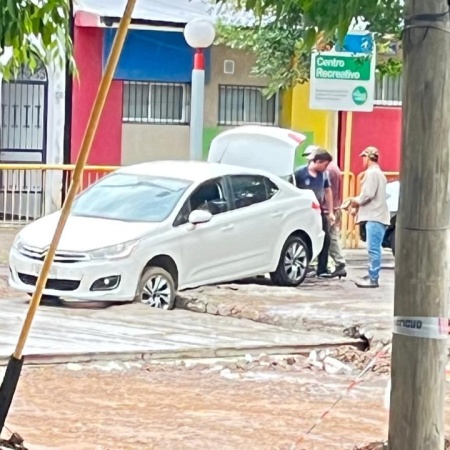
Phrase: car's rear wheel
(293,263)
(157,289)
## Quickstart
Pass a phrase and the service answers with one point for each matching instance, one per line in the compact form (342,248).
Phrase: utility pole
(419,351)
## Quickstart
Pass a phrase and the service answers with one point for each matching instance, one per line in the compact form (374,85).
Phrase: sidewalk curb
(203,353)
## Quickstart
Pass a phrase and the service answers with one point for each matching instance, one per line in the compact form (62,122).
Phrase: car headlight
(115,251)
(18,243)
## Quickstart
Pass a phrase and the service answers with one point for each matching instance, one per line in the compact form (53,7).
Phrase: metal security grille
(158,103)
(246,105)
(388,90)
(23,140)
(24,117)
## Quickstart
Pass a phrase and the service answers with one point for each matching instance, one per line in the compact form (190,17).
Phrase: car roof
(194,171)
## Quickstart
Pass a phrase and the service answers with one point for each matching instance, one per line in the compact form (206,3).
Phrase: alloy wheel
(157,292)
(295,261)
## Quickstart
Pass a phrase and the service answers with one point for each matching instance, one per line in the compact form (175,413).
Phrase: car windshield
(131,198)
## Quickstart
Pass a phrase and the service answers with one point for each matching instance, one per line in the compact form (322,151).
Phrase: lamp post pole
(197,106)
(199,34)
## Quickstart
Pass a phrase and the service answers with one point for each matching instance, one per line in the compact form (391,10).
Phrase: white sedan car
(148,230)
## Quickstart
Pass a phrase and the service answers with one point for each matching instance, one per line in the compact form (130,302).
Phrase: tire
(392,241)
(285,274)
(156,289)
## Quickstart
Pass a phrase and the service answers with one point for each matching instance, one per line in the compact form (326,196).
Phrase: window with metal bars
(157,103)
(388,90)
(240,105)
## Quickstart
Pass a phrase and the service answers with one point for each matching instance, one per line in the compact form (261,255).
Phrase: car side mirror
(199,216)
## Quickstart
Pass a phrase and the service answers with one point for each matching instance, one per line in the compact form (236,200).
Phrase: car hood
(84,233)
(271,149)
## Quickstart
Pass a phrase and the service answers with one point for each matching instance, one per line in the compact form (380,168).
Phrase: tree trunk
(422,272)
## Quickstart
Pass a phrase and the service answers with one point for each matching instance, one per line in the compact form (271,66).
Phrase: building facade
(147,113)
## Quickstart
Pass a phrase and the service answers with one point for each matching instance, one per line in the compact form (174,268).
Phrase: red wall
(107,145)
(381,128)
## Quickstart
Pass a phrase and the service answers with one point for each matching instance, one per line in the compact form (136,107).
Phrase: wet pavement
(206,406)
(198,407)
(136,331)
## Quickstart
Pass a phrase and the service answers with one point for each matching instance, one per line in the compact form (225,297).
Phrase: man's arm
(369,189)
(329,198)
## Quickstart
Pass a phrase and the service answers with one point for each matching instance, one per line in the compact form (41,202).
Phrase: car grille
(52,283)
(39,254)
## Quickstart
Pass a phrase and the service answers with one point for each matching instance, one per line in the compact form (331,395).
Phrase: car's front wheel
(293,263)
(157,289)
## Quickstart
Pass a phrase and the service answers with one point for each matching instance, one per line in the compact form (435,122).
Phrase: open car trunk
(271,149)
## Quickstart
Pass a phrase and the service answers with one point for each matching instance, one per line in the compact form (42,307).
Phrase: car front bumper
(73,281)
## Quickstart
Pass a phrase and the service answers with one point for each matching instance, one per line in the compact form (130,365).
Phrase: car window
(289,178)
(271,188)
(209,196)
(131,198)
(248,190)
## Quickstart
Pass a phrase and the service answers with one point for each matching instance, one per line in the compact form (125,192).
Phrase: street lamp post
(199,34)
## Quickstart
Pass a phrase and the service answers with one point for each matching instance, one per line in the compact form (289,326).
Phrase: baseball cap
(310,151)
(371,153)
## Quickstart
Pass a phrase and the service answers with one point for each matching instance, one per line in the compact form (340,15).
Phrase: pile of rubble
(359,360)
(346,360)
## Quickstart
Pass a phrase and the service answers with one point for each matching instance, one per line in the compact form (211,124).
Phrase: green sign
(342,81)
(338,67)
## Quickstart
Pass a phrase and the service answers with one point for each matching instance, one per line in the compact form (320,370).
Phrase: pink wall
(381,128)
(107,144)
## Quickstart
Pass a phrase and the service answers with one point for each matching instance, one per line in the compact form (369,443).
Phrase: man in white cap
(335,177)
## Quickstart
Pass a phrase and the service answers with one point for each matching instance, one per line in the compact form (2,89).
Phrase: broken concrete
(336,306)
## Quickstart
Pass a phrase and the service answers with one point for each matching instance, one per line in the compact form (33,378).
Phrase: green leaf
(47,21)
(283,49)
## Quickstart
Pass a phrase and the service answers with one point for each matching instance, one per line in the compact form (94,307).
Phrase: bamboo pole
(78,172)
(15,363)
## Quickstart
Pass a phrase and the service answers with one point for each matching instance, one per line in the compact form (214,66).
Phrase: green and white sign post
(345,81)
(342,81)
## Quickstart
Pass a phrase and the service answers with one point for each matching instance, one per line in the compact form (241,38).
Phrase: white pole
(197,111)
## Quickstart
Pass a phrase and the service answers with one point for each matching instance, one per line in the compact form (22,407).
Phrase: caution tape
(354,383)
(422,327)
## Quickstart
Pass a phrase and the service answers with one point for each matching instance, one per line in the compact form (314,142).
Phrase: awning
(162,11)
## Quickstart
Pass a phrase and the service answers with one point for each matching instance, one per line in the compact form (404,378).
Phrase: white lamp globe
(199,33)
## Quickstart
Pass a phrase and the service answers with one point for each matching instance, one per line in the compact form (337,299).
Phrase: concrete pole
(197,107)
(419,346)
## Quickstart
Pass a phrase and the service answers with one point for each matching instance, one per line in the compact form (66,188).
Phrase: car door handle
(227,227)
(277,214)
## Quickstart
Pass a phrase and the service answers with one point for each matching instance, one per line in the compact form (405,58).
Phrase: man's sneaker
(367,283)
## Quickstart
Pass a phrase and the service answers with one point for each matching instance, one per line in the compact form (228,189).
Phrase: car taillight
(316,206)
